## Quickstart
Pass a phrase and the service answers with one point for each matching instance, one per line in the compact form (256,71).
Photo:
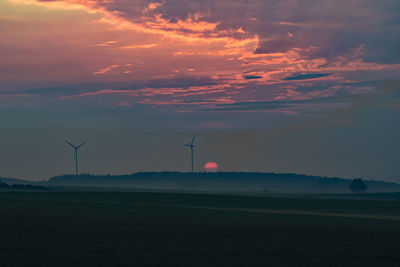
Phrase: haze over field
(222,182)
(309,87)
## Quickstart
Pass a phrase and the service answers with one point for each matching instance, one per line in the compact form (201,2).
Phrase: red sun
(211,167)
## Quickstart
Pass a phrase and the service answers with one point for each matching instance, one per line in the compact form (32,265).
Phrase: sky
(308,87)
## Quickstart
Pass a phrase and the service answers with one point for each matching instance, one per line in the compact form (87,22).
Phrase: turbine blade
(193,139)
(69,144)
(81,145)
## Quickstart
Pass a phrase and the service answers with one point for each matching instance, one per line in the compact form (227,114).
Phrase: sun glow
(211,167)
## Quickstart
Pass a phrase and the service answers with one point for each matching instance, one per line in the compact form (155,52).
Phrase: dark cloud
(270,105)
(332,28)
(252,77)
(307,76)
(343,96)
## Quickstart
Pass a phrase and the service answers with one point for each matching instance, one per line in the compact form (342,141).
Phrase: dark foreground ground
(171,229)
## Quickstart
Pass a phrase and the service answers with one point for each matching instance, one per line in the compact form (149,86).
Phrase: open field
(172,229)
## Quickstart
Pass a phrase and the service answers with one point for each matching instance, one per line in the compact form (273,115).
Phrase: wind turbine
(191,145)
(75,154)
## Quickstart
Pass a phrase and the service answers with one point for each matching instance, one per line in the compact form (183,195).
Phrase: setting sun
(211,167)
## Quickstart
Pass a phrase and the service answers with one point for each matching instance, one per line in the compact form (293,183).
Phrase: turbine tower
(191,145)
(75,154)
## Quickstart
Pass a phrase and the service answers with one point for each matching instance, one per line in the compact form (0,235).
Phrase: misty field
(172,229)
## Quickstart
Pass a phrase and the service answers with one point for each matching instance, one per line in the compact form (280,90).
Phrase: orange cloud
(151,6)
(139,46)
(107,69)
(105,44)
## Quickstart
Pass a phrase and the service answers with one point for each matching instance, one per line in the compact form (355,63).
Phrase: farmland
(173,229)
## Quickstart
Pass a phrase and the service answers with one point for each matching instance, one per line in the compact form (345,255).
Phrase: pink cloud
(105,70)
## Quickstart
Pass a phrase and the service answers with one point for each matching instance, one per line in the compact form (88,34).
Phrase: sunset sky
(310,87)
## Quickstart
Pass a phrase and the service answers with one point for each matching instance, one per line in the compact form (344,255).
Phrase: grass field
(172,229)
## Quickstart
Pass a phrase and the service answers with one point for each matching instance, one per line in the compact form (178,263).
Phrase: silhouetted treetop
(358,186)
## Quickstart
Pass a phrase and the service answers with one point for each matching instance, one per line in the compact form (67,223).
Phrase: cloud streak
(107,69)
(307,76)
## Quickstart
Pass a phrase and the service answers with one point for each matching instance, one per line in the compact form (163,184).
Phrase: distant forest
(220,181)
(22,187)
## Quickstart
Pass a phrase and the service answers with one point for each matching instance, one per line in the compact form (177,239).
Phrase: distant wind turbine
(191,145)
(75,154)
